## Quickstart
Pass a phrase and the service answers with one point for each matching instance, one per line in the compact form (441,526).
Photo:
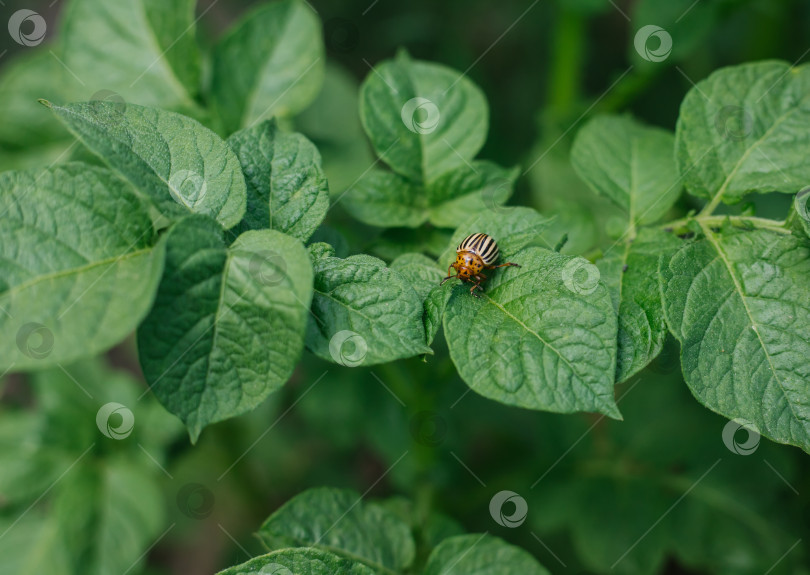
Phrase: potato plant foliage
(191,213)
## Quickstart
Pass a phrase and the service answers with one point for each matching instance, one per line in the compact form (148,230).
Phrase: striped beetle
(475,253)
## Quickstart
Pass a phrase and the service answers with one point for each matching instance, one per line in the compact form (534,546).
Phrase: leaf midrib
(304,543)
(719,195)
(549,346)
(72,271)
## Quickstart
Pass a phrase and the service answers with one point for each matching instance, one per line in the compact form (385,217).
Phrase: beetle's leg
(476,285)
(449,276)
(503,265)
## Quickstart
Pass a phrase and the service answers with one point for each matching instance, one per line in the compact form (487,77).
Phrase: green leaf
(385,199)
(738,305)
(145,50)
(435,304)
(421,271)
(394,242)
(173,159)
(630,271)
(228,324)
(299,562)
(743,130)
(27,466)
(423,119)
(101,497)
(33,545)
(93,274)
(801,212)
(126,514)
(337,520)
(469,189)
(540,336)
(630,163)
(359,301)
(26,78)
(269,64)
(481,555)
(286,187)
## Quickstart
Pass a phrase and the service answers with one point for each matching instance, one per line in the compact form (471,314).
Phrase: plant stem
(708,220)
(709,208)
(566,65)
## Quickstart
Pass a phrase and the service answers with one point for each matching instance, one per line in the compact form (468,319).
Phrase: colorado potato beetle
(475,253)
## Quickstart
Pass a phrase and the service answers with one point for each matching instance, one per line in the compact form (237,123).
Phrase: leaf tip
(194,433)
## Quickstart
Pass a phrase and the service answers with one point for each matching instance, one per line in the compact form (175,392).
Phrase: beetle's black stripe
(467,243)
(489,251)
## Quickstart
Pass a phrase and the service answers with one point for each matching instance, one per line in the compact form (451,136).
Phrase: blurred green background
(412,428)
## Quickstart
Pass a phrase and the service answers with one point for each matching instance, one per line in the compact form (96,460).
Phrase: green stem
(566,64)
(713,221)
(709,208)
